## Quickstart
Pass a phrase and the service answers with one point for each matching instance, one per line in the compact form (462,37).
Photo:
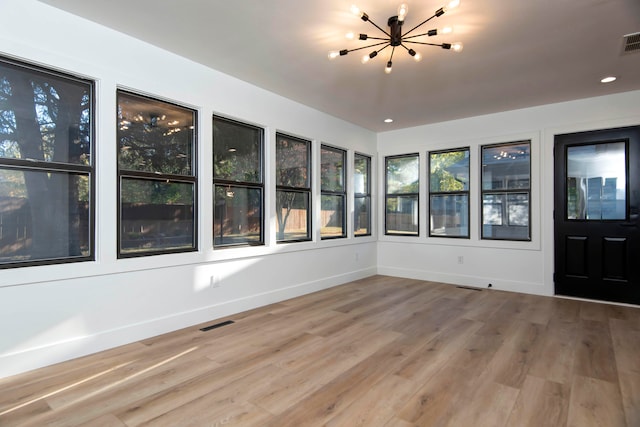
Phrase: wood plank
(541,403)
(595,402)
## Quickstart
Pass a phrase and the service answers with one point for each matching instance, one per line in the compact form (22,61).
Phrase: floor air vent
(470,289)
(631,43)
(217,325)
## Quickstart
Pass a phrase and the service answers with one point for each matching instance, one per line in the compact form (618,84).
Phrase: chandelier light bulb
(403,9)
(417,57)
(333,54)
(350,35)
(457,47)
(365,59)
(355,10)
(387,69)
(452,5)
(445,30)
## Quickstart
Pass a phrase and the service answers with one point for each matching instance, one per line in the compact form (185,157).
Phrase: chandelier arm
(428,44)
(419,25)
(391,56)
(376,25)
(377,38)
(413,37)
(368,46)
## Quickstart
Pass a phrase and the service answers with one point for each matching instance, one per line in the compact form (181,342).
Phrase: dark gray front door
(597,214)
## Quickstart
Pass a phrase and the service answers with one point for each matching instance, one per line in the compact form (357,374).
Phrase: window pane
(154,136)
(44,117)
(155,216)
(332,171)
(449,171)
(449,215)
(237,151)
(505,216)
(402,215)
(506,167)
(292,162)
(362,216)
(361,174)
(43,215)
(332,216)
(237,215)
(596,181)
(292,213)
(403,175)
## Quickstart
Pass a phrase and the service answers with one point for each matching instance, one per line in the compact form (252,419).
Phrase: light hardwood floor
(380,351)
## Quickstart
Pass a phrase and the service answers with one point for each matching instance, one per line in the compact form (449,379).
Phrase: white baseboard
(33,358)
(471,281)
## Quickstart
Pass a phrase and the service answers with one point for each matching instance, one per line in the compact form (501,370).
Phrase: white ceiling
(517,53)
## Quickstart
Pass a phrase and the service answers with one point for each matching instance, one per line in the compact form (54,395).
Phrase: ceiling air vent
(631,43)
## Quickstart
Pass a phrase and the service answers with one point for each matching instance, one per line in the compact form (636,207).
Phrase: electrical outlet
(460,259)
(215,282)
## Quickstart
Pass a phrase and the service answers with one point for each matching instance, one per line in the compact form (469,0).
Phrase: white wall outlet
(215,281)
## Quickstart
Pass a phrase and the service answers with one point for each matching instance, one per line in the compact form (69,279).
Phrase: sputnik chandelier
(394,37)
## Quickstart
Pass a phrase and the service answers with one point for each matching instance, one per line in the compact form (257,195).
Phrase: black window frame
(450,193)
(388,195)
(366,196)
(341,194)
(43,166)
(218,182)
(306,190)
(505,192)
(159,177)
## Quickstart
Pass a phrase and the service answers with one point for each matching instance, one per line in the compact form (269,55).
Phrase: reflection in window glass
(402,184)
(238,183)
(449,193)
(156,215)
(506,178)
(332,216)
(293,188)
(362,195)
(46,166)
(333,192)
(156,142)
(238,215)
(596,181)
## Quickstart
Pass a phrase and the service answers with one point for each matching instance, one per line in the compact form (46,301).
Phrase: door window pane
(596,181)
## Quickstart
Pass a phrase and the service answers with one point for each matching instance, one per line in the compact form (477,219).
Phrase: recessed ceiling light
(388,120)
(608,79)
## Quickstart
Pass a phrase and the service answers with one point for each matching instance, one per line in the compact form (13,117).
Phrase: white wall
(54,313)
(513,266)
